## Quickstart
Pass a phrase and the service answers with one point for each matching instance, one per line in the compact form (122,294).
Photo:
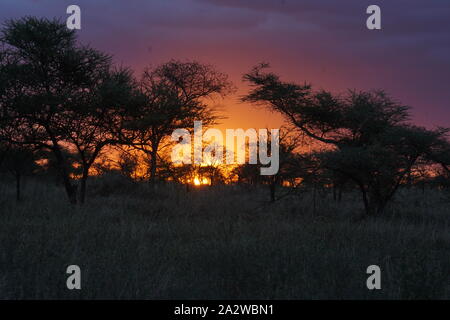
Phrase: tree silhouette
(58,93)
(368,137)
(19,161)
(174,96)
(291,164)
(99,118)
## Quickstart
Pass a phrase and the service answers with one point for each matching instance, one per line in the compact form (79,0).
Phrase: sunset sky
(322,42)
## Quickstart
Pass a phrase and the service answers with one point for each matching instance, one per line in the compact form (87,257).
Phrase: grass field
(224,242)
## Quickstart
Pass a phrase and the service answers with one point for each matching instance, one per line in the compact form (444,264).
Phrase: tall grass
(132,241)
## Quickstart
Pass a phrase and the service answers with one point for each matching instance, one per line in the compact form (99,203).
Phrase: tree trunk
(272,187)
(71,190)
(153,156)
(374,205)
(153,169)
(153,159)
(314,198)
(83,181)
(367,206)
(18,177)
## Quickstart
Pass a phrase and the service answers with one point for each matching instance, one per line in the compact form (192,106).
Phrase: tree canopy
(367,134)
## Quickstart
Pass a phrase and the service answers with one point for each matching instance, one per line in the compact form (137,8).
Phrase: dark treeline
(61,97)
(63,105)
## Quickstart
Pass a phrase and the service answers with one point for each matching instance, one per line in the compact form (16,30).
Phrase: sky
(322,42)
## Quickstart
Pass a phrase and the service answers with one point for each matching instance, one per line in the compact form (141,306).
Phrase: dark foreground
(132,242)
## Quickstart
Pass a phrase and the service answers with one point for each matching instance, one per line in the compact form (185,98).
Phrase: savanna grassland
(224,242)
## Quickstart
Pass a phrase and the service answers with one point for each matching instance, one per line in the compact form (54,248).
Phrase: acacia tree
(441,153)
(291,163)
(18,161)
(9,91)
(367,135)
(99,117)
(49,78)
(174,95)
(380,168)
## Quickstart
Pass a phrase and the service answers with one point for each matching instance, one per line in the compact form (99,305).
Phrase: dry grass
(219,243)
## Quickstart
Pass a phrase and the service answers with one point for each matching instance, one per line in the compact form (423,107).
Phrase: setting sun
(199,182)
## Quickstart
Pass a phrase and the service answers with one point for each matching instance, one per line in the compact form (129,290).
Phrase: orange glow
(201,181)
